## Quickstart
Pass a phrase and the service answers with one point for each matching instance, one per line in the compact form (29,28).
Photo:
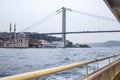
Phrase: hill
(106,44)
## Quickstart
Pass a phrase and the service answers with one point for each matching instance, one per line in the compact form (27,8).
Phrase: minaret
(14,35)
(10,31)
(14,32)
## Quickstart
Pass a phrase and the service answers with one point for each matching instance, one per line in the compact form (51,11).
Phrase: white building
(21,41)
(46,44)
(58,44)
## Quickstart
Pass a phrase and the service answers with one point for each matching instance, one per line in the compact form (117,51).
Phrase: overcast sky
(26,12)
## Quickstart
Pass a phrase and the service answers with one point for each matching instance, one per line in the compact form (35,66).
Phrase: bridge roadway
(81,32)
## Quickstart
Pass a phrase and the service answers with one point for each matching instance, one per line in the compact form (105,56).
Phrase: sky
(24,13)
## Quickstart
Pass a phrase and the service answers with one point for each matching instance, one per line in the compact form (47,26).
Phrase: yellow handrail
(40,73)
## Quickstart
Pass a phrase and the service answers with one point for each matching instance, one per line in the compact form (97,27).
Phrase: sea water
(16,61)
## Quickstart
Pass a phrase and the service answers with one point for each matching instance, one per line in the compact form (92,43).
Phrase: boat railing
(45,72)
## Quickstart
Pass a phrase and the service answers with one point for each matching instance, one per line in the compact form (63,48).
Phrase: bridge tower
(64,26)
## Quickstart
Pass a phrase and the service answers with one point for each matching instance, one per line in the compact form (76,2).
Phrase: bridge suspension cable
(41,21)
(59,11)
(86,21)
(92,15)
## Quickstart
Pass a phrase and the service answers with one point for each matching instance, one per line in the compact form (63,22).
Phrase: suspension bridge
(64,10)
(109,72)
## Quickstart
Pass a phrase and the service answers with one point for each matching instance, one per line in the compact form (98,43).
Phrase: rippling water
(16,61)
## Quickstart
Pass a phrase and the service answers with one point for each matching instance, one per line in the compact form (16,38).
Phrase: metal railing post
(109,60)
(97,63)
(115,57)
(94,67)
(86,71)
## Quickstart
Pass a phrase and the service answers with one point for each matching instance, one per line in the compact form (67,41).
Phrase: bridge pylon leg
(64,26)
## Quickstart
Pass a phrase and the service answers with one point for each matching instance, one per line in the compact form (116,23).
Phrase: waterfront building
(46,44)
(58,44)
(35,43)
(14,40)
(1,43)
(77,45)
(21,41)
(8,44)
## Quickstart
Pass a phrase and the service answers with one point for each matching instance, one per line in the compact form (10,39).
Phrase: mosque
(14,40)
